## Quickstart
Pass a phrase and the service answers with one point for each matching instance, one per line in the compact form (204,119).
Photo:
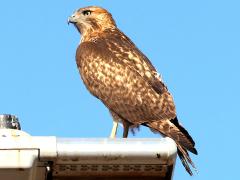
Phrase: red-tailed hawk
(115,71)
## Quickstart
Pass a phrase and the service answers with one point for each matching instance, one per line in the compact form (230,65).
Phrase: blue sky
(195,45)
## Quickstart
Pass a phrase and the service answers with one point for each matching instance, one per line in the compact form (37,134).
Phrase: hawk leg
(114,129)
(116,119)
(126,126)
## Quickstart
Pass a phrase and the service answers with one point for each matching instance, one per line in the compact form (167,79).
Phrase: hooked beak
(72,19)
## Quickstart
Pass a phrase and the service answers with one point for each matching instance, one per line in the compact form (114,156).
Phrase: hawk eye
(86,12)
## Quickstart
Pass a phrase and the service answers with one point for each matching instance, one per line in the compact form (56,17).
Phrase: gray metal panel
(116,151)
(116,158)
(25,157)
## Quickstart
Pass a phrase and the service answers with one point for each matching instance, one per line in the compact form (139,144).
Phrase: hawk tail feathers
(183,140)
(185,158)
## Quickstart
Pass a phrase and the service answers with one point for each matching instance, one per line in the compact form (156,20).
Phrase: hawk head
(91,19)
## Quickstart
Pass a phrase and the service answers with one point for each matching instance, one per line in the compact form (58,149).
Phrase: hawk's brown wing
(120,86)
(126,51)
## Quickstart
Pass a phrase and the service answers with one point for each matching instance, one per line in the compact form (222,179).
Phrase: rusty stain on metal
(112,158)
(20,169)
(75,159)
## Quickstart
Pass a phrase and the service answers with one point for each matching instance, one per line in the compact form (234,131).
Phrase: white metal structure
(25,157)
